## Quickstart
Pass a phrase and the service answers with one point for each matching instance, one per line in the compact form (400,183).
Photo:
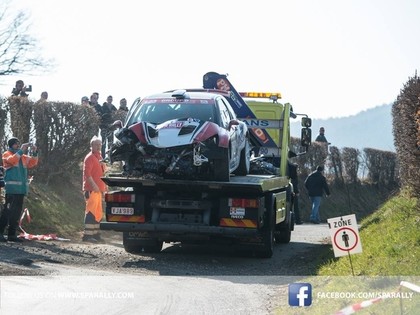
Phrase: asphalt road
(67,277)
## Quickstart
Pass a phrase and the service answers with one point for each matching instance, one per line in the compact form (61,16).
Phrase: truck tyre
(221,170)
(135,245)
(244,163)
(132,249)
(153,248)
(138,248)
(283,236)
(268,233)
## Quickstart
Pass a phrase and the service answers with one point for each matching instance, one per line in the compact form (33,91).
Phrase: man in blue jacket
(316,184)
(16,162)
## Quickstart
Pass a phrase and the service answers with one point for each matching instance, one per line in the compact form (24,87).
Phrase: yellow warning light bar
(269,95)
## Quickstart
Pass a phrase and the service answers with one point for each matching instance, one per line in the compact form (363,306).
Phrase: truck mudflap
(179,229)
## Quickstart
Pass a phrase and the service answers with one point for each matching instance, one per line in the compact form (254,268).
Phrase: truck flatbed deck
(250,183)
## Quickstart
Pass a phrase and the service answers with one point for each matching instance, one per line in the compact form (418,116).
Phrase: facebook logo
(300,294)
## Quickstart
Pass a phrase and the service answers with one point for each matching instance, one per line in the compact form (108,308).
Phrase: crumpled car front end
(179,148)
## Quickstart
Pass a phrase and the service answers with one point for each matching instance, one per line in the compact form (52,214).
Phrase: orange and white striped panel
(243,223)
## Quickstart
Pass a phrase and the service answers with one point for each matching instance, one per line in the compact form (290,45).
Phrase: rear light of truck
(243,203)
(120,198)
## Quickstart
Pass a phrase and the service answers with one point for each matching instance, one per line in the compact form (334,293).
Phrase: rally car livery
(180,134)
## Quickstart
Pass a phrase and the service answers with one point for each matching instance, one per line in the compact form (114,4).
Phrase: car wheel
(244,163)
(221,169)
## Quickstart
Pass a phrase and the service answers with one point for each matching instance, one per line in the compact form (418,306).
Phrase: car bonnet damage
(177,147)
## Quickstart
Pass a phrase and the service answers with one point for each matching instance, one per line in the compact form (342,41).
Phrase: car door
(225,118)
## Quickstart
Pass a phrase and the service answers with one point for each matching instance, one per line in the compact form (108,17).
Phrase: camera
(28,88)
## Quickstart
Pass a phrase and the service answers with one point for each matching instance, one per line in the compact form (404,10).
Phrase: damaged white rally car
(183,134)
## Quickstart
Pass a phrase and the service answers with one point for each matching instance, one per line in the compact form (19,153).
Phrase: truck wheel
(132,249)
(244,163)
(136,245)
(154,248)
(137,248)
(268,234)
(283,236)
(221,169)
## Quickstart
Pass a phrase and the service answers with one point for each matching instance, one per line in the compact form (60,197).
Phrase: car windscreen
(158,111)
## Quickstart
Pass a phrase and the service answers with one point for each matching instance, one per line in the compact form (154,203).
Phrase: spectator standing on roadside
(94,103)
(16,162)
(44,96)
(321,136)
(20,89)
(123,105)
(85,101)
(316,184)
(121,113)
(93,189)
(98,108)
(107,118)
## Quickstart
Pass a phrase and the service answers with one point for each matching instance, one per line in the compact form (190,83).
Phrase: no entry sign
(345,235)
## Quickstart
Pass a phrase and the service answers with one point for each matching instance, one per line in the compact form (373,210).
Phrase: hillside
(371,128)
(390,240)
(56,208)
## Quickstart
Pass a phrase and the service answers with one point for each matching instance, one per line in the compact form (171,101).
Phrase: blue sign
(300,294)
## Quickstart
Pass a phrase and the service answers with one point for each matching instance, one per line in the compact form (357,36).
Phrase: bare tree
(19,51)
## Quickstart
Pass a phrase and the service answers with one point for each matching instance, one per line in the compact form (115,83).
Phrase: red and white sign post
(345,236)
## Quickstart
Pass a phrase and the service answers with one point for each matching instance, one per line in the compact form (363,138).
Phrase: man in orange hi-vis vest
(93,188)
(16,162)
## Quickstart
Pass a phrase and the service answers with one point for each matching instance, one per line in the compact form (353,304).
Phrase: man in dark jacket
(107,118)
(321,136)
(316,184)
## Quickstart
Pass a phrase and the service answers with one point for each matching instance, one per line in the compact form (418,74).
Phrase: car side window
(230,109)
(224,113)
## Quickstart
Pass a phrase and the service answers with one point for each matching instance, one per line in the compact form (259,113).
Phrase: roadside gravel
(50,257)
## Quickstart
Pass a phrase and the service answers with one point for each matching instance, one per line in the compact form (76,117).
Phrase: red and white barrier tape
(28,217)
(357,307)
(39,237)
(410,286)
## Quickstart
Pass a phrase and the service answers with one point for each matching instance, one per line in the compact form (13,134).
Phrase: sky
(328,58)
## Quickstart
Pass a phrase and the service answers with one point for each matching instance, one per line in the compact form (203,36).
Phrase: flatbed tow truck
(251,212)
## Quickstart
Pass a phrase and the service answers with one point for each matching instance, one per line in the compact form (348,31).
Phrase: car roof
(191,93)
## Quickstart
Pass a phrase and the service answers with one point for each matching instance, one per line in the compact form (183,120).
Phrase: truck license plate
(122,210)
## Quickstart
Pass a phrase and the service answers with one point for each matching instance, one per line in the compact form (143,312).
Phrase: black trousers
(11,213)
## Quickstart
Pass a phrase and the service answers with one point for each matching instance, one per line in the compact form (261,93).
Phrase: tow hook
(198,158)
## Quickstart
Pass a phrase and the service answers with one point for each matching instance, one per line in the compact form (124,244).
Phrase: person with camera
(20,89)
(16,162)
